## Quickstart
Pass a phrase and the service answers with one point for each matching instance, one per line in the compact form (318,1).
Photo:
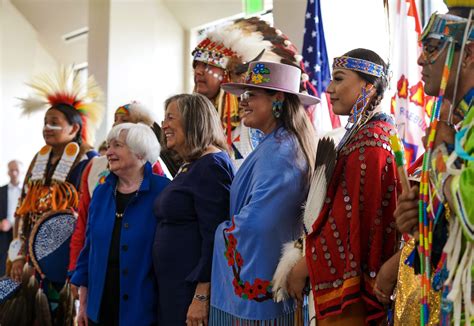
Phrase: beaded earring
(277,109)
(360,105)
(358,115)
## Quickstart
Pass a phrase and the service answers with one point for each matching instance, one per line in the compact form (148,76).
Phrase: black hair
(295,120)
(460,11)
(380,83)
(72,117)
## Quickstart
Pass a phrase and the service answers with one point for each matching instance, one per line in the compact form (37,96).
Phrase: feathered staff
(66,310)
(397,148)
(326,156)
(19,309)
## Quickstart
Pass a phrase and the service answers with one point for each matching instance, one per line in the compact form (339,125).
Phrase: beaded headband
(213,53)
(360,65)
(447,27)
(123,110)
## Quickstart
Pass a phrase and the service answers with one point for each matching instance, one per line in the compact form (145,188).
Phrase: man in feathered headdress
(448,72)
(223,57)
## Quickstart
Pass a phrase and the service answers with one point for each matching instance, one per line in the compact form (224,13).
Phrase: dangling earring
(359,106)
(277,108)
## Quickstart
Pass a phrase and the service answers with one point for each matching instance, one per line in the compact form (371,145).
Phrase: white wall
(194,13)
(98,54)
(146,56)
(348,24)
(22,57)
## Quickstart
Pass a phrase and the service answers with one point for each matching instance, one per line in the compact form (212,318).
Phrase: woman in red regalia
(354,232)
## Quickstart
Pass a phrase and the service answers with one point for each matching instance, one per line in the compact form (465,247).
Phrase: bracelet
(201,297)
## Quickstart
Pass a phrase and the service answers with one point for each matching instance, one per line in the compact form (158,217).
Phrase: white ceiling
(194,13)
(52,19)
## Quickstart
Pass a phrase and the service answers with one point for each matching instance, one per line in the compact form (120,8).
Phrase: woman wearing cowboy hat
(265,198)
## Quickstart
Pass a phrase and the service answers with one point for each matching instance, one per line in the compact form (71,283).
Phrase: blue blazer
(138,293)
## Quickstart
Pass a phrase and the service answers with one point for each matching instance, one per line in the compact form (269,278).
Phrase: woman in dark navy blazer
(114,270)
(190,209)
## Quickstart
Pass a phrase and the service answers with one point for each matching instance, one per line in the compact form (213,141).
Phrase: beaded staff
(426,222)
(399,153)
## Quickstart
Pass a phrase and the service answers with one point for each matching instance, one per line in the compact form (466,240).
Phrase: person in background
(222,57)
(102,148)
(9,195)
(114,270)
(189,210)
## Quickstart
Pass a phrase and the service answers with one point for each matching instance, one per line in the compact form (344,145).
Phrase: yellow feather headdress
(66,87)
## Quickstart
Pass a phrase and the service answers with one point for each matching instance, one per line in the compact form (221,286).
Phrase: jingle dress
(355,232)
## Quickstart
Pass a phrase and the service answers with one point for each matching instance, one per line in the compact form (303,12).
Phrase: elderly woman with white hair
(115,269)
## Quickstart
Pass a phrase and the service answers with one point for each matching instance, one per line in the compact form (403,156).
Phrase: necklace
(120,215)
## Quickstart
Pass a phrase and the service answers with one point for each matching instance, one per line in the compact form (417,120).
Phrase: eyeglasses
(431,52)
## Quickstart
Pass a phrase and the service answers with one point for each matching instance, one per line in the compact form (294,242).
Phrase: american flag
(316,64)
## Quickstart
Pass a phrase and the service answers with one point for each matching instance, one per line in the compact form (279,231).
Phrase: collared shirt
(14,193)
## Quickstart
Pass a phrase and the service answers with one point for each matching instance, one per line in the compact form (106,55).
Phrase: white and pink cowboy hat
(275,76)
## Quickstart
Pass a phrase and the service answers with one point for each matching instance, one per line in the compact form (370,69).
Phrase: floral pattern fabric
(266,197)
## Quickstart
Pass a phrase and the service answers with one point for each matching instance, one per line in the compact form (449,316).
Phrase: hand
(198,313)
(75,292)
(297,280)
(82,314)
(82,317)
(406,213)
(5,225)
(387,278)
(16,272)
